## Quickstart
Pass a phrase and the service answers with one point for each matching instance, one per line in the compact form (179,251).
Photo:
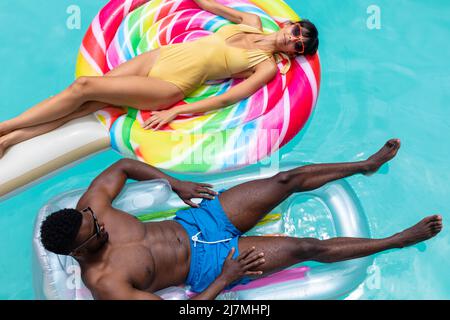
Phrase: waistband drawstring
(195,239)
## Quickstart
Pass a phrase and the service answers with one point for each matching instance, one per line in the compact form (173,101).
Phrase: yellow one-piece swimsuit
(188,65)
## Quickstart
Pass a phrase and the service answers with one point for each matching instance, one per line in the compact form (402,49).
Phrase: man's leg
(247,203)
(283,252)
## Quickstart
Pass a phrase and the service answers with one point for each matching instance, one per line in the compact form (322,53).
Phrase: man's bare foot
(385,154)
(424,230)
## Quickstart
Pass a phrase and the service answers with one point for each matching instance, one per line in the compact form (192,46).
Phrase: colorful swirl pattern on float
(238,135)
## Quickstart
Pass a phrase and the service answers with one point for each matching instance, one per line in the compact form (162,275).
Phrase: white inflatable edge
(31,160)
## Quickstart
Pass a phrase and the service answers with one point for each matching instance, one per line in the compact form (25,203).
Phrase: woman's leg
(247,203)
(126,85)
(19,135)
(133,91)
(283,252)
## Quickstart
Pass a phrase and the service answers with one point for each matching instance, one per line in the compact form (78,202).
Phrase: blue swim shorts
(210,224)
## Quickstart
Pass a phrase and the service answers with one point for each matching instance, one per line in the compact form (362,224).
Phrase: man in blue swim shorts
(123,258)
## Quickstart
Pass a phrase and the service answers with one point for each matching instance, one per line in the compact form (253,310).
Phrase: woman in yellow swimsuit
(158,79)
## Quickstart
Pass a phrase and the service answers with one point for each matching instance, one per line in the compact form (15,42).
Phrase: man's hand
(187,190)
(234,270)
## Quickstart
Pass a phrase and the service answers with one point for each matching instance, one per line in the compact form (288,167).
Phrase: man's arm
(110,182)
(233,270)
(115,289)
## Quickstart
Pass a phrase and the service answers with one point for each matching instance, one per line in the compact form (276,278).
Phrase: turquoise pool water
(377,84)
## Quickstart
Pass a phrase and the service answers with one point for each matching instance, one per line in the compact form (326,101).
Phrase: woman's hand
(244,265)
(160,118)
(187,190)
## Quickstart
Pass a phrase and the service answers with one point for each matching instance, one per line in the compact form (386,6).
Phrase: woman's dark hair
(59,230)
(311,35)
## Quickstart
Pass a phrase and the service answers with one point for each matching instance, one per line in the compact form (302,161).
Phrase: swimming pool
(376,84)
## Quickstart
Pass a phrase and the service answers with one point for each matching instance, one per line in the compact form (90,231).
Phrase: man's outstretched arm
(110,182)
(233,269)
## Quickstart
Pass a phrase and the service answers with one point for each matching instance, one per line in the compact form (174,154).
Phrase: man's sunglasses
(96,231)
(297,32)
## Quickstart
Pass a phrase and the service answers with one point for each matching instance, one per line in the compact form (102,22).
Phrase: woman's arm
(231,14)
(264,72)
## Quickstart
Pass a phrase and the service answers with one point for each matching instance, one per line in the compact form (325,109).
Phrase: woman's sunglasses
(96,231)
(297,32)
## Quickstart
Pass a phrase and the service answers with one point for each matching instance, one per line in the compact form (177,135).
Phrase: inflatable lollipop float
(233,137)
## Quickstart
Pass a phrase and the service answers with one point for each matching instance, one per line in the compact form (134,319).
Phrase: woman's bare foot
(4,130)
(424,230)
(7,141)
(3,146)
(384,155)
